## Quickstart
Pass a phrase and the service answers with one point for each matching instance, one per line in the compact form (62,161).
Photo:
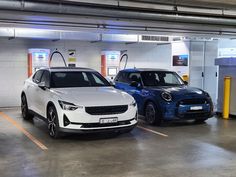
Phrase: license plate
(108,120)
(196,108)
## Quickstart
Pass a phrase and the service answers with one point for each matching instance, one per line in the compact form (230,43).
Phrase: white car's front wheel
(24,108)
(53,124)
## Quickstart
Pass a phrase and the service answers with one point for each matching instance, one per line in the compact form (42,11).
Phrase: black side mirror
(42,85)
(186,82)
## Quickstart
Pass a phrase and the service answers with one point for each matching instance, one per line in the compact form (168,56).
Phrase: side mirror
(135,84)
(42,85)
(186,82)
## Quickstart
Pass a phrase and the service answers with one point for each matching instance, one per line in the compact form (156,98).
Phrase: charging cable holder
(57,52)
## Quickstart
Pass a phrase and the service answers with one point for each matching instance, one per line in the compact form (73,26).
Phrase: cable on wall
(57,52)
(126,57)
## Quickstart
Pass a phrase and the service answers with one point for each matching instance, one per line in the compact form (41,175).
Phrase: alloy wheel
(23,106)
(52,122)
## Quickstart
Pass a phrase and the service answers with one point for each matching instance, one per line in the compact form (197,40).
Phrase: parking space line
(152,131)
(24,131)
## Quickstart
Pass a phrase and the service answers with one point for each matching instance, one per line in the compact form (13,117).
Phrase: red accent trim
(29,65)
(103,66)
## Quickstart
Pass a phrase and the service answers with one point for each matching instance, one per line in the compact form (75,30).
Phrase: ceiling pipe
(67,9)
(194,3)
(54,8)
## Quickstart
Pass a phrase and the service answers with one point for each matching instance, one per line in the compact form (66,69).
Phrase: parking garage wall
(13,60)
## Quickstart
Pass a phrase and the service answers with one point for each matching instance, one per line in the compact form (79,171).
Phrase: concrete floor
(203,150)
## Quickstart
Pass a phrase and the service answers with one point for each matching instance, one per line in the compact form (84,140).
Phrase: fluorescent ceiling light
(200,10)
(104,2)
(146,5)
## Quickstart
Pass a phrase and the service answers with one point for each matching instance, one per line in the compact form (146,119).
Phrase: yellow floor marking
(152,131)
(26,133)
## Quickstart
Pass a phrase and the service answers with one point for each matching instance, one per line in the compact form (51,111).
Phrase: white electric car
(77,100)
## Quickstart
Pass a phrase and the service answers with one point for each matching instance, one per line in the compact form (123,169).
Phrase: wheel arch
(23,94)
(50,103)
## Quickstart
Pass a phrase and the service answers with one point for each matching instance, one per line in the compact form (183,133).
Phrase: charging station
(37,58)
(110,61)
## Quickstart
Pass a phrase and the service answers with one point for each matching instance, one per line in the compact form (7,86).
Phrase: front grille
(106,110)
(194,115)
(193,101)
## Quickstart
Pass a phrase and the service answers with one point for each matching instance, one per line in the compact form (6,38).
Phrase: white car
(77,100)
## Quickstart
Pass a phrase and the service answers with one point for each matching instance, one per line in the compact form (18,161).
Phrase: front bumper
(83,122)
(175,111)
(100,130)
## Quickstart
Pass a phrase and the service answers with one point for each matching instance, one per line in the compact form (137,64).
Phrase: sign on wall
(180,60)
(72,57)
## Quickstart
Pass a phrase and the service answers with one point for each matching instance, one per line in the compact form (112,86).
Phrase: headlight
(133,103)
(206,94)
(166,96)
(68,106)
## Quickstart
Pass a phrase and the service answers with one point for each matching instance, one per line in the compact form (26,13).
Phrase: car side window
(122,77)
(37,76)
(46,78)
(134,77)
(171,79)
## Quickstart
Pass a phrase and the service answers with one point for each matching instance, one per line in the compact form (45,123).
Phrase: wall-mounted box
(227,67)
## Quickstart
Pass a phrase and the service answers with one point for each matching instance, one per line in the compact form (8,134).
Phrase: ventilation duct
(47,34)
(149,38)
(117,12)
(119,38)
(82,15)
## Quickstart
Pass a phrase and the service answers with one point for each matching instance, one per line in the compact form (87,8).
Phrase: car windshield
(161,78)
(77,79)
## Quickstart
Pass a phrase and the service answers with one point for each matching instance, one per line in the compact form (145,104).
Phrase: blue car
(163,95)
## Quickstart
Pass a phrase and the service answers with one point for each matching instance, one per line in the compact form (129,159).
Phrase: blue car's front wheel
(151,114)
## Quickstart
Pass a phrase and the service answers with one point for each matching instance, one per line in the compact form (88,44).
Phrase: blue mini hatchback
(163,95)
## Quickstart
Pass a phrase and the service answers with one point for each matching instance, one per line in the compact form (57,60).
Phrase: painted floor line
(152,131)
(24,131)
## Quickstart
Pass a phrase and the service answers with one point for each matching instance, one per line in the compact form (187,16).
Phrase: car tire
(152,116)
(24,109)
(53,123)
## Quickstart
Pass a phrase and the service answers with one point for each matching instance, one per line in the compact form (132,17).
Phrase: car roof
(65,69)
(144,69)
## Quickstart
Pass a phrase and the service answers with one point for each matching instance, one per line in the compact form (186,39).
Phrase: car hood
(93,96)
(178,90)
